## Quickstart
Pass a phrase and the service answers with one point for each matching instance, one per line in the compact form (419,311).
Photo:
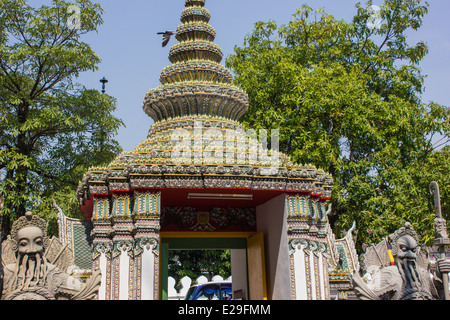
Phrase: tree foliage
(195,263)
(52,128)
(347,97)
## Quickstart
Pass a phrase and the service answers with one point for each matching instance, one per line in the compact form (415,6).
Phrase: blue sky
(132,56)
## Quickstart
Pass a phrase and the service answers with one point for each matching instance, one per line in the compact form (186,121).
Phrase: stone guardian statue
(397,269)
(35,268)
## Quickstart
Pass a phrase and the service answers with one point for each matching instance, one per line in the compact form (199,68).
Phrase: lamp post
(441,239)
(103,82)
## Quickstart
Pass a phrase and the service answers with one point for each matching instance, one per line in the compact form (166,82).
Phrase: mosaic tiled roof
(196,140)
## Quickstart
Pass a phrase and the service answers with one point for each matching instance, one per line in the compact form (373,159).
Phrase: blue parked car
(210,291)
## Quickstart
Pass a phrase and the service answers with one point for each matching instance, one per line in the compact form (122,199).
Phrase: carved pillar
(126,245)
(307,232)
(146,269)
(102,244)
(146,250)
(309,270)
(102,260)
(122,258)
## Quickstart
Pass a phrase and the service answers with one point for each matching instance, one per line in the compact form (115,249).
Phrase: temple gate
(200,180)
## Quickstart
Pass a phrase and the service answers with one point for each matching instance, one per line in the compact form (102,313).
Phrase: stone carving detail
(123,246)
(36,268)
(440,226)
(151,244)
(217,219)
(396,269)
(102,248)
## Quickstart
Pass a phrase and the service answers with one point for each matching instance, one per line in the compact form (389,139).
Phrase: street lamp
(104,82)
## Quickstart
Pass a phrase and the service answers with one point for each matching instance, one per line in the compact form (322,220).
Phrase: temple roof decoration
(195,83)
(197,107)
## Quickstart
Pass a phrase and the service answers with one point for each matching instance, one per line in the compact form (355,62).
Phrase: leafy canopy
(195,263)
(347,97)
(52,128)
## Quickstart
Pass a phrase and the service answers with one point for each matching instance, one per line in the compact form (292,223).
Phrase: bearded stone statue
(35,267)
(397,269)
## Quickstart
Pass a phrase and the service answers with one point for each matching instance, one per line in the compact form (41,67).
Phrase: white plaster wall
(322,277)
(239,271)
(147,274)
(271,219)
(103,266)
(124,273)
(300,275)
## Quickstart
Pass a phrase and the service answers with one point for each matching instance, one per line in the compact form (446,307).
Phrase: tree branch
(388,37)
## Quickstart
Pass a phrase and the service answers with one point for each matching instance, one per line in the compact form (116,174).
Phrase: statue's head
(29,235)
(404,243)
(405,249)
(29,238)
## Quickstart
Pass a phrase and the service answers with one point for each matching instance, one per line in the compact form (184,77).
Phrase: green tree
(194,263)
(52,128)
(346,97)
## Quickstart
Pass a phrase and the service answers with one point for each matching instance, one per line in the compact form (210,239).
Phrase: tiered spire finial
(196,95)
(195,83)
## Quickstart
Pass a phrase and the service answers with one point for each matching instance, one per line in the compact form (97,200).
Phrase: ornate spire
(195,83)
(197,95)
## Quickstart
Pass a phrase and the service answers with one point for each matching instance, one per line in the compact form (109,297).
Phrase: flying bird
(166,37)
